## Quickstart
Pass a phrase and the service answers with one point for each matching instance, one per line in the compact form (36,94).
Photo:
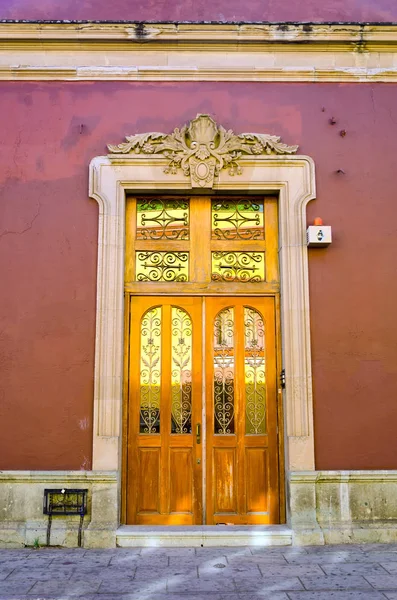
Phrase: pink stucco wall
(48,252)
(202,10)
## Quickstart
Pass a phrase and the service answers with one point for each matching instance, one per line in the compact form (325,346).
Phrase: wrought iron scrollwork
(244,267)
(159,218)
(150,375)
(237,219)
(255,375)
(162,266)
(224,372)
(181,400)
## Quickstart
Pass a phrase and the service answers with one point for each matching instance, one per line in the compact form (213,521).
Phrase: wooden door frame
(292,178)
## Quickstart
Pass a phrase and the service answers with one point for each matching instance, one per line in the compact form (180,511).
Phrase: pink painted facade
(202,10)
(48,252)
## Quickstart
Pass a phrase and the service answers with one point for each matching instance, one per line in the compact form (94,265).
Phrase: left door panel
(164,454)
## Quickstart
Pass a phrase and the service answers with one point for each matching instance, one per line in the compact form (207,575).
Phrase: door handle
(198,433)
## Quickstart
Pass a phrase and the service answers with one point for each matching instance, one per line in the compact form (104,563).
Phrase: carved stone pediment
(202,149)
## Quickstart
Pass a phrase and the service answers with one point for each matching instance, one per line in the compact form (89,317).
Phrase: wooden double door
(201,411)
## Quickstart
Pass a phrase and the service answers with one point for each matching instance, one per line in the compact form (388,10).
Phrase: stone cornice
(158,73)
(58,476)
(198,52)
(304,477)
(216,34)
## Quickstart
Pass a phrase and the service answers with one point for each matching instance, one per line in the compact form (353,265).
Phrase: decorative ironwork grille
(224,372)
(181,356)
(255,373)
(237,219)
(150,374)
(65,502)
(162,266)
(159,218)
(244,267)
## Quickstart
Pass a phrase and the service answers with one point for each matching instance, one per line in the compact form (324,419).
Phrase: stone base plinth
(22,522)
(342,507)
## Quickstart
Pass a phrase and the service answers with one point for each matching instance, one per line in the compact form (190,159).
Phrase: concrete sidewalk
(350,572)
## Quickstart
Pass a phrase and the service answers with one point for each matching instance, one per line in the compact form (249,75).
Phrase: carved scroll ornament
(202,149)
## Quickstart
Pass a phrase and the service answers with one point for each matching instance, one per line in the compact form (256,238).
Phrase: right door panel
(241,408)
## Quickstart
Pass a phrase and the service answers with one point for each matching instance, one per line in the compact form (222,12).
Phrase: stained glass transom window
(159,218)
(244,267)
(162,266)
(237,219)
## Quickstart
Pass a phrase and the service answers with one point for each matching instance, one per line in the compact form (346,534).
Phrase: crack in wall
(27,228)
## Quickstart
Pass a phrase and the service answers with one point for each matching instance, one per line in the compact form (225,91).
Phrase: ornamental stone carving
(202,149)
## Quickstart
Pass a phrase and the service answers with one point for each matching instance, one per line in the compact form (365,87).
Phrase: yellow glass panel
(150,375)
(162,266)
(159,218)
(237,219)
(255,372)
(245,267)
(224,372)
(181,374)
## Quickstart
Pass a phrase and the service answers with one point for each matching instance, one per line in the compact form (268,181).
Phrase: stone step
(128,536)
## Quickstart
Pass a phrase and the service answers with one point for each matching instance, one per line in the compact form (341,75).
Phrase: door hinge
(282,379)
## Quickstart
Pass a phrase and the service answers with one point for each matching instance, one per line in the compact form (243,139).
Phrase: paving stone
(53,552)
(213,552)
(4,573)
(383,582)
(202,596)
(377,547)
(335,595)
(390,567)
(328,573)
(191,586)
(15,587)
(127,569)
(129,586)
(197,561)
(258,559)
(92,561)
(182,552)
(270,570)
(263,596)
(57,588)
(143,574)
(267,584)
(332,548)
(353,569)
(223,569)
(278,550)
(368,557)
(40,574)
(138,559)
(327,557)
(15,596)
(331,582)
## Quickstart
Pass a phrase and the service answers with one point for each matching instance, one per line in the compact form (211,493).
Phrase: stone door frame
(293,179)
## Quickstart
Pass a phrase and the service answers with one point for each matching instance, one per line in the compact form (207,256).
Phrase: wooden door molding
(164,462)
(293,179)
(241,411)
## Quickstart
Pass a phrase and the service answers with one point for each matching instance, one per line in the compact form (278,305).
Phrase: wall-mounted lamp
(318,235)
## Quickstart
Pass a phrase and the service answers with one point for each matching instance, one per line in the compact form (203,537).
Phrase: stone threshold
(203,535)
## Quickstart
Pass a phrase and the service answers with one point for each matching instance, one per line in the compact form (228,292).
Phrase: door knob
(198,433)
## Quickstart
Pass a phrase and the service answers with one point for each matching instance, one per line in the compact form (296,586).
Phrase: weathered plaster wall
(48,227)
(202,10)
